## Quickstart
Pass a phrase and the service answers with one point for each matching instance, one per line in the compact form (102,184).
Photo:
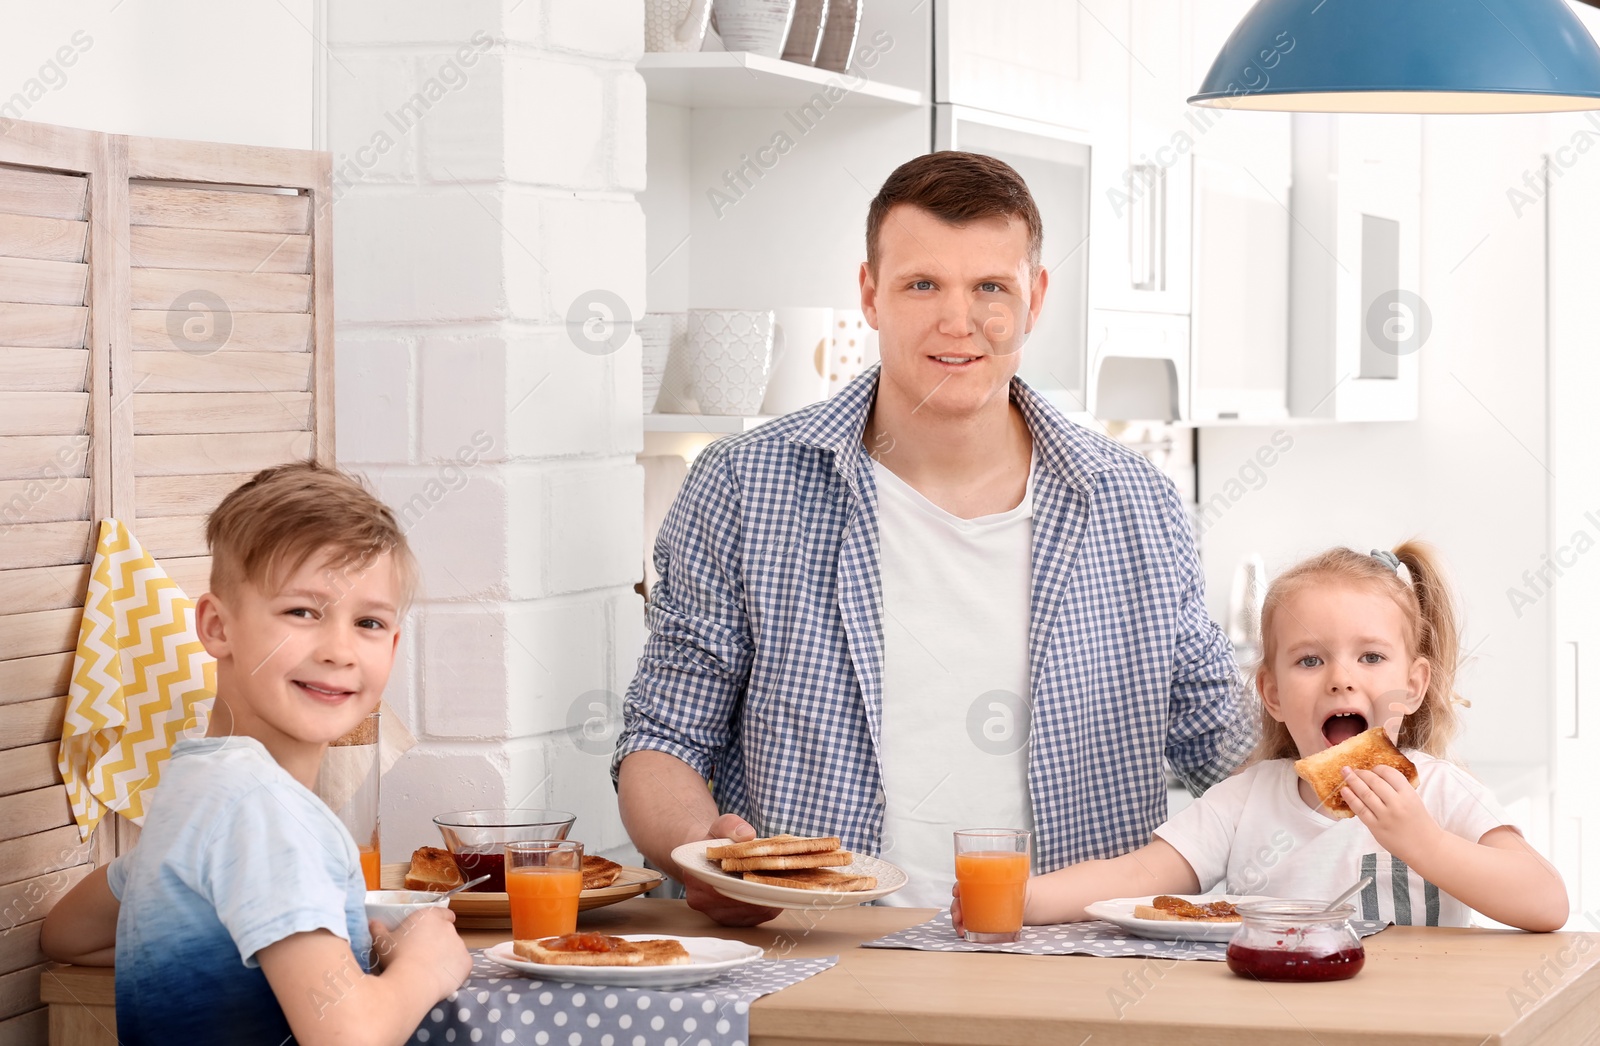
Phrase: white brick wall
(486,155)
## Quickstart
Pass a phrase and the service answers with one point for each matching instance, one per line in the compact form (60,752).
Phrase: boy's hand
(429,939)
(955,909)
(1391,809)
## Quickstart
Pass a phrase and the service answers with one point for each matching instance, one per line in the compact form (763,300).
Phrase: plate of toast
(433,868)
(1174,917)
(633,960)
(788,871)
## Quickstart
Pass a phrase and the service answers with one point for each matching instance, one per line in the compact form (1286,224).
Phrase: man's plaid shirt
(763,668)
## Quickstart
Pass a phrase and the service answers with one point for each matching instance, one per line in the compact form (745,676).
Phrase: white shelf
(717,423)
(739,79)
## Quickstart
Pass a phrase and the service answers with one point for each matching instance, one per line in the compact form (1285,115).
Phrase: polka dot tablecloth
(1085,938)
(497,1006)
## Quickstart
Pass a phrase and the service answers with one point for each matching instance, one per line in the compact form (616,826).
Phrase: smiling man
(930,602)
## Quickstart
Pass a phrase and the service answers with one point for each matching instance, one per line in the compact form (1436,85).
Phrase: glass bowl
(477,839)
(1295,941)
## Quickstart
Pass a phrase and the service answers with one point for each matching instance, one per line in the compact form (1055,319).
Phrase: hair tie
(1388,559)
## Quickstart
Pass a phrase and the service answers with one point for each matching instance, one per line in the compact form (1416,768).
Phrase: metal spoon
(485,878)
(1357,888)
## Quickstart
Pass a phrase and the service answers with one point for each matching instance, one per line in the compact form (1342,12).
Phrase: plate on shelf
(691,858)
(492,911)
(709,958)
(1120,912)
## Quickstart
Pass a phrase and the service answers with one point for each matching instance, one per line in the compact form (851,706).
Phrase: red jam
(1271,964)
(583,942)
(474,863)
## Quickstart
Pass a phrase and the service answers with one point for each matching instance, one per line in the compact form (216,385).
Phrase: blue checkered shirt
(763,667)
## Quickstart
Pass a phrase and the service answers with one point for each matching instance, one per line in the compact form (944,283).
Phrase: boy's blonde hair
(268,527)
(1434,633)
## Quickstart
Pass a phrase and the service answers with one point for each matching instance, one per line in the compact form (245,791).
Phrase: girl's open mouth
(1342,726)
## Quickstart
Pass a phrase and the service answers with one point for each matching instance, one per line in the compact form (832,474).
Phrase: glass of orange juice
(543,880)
(992,866)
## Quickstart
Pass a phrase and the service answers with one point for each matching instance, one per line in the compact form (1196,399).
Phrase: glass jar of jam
(1295,941)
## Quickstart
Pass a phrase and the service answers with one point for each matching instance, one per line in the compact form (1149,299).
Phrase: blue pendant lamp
(1406,56)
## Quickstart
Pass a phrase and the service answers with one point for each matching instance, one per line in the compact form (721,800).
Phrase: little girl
(1348,642)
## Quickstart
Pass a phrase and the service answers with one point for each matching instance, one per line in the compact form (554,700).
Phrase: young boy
(240,911)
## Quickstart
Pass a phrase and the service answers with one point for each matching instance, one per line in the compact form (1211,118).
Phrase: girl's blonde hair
(1430,613)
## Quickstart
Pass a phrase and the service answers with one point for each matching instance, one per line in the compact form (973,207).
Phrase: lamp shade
(1406,56)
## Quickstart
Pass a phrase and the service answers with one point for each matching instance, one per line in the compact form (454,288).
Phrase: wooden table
(1472,987)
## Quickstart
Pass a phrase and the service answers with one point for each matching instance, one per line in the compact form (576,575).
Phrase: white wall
(241,71)
(1470,475)
(465,230)
(486,156)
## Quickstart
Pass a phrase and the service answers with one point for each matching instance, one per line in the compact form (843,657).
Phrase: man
(929,602)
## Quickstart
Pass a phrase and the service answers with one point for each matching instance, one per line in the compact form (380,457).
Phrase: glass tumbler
(348,783)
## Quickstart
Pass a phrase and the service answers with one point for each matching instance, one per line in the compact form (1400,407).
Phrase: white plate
(691,857)
(1120,912)
(709,957)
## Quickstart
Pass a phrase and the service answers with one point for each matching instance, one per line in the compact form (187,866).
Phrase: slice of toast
(815,879)
(662,953)
(783,862)
(433,869)
(599,872)
(1362,752)
(597,949)
(773,846)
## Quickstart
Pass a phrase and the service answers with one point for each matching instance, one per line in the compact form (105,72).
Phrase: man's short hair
(268,527)
(956,187)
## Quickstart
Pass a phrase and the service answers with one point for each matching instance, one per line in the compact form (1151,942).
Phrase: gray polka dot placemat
(1085,938)
(497,1006)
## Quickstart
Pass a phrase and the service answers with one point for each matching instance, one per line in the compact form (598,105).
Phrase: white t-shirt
(954,744)
(1257,834)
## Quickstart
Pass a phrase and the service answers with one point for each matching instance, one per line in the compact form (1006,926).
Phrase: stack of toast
(793,861)
(598,949)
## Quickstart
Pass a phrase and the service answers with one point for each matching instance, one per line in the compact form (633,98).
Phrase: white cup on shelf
(666,339)
(805,31)
(799,352)
(757,26)
(675,25)
(852,348)
(729,359)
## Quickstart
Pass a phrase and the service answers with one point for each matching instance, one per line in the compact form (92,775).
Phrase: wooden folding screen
(166,329)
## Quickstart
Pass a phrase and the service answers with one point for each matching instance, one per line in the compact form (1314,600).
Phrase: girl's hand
(1391,809)
(955,909)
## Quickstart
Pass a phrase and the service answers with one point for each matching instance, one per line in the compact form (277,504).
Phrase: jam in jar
(1295,941)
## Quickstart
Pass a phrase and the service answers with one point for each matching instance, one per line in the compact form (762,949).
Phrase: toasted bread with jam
(598,949)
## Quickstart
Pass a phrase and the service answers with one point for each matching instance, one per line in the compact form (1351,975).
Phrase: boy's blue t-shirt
(235,855)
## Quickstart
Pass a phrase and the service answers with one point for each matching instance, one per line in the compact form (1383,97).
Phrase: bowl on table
(477,838)
(390,907)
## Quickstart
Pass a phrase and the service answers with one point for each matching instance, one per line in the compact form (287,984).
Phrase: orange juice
(994,884)
(544,901)
(371,866)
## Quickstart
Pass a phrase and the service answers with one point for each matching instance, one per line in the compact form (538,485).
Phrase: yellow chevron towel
(140,679)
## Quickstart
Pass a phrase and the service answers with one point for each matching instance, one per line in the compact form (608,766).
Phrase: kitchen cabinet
(1042,60)
(1570,575)
(1239,319)
(1055,162)
(1356,319)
